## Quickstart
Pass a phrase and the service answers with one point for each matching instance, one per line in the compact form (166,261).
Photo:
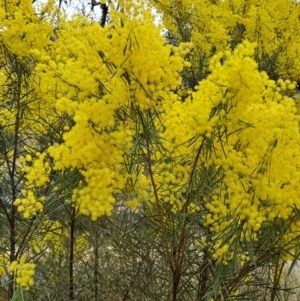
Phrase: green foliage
(132,169)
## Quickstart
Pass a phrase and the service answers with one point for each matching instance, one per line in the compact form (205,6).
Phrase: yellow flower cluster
(229,148)
(260,173)
(220,25)
(4,262)
(23,36)
(23,272)
(98,76)
(36,174)
(96,197)
(246,125)
(21,29)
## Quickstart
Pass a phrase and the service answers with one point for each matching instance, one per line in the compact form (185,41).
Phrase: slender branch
(25,238)
(96,263)
(158,206)
(182,242)
(12,171)
(192,175)
(248,267)
(6,213)
(71,254)
(104,8)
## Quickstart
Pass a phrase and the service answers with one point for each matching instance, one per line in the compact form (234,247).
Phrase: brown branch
(6,213)
(104,8)
(71,254)
(158,206)
(12,171)
(182,242)
(94,3)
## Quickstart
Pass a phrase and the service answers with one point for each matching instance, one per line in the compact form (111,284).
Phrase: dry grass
(291,281)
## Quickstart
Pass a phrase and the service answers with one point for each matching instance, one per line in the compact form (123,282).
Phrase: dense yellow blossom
(24,272)
(219,25)
(36,177)
(22,31)
(97,76)
(205,129)
(246,134)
